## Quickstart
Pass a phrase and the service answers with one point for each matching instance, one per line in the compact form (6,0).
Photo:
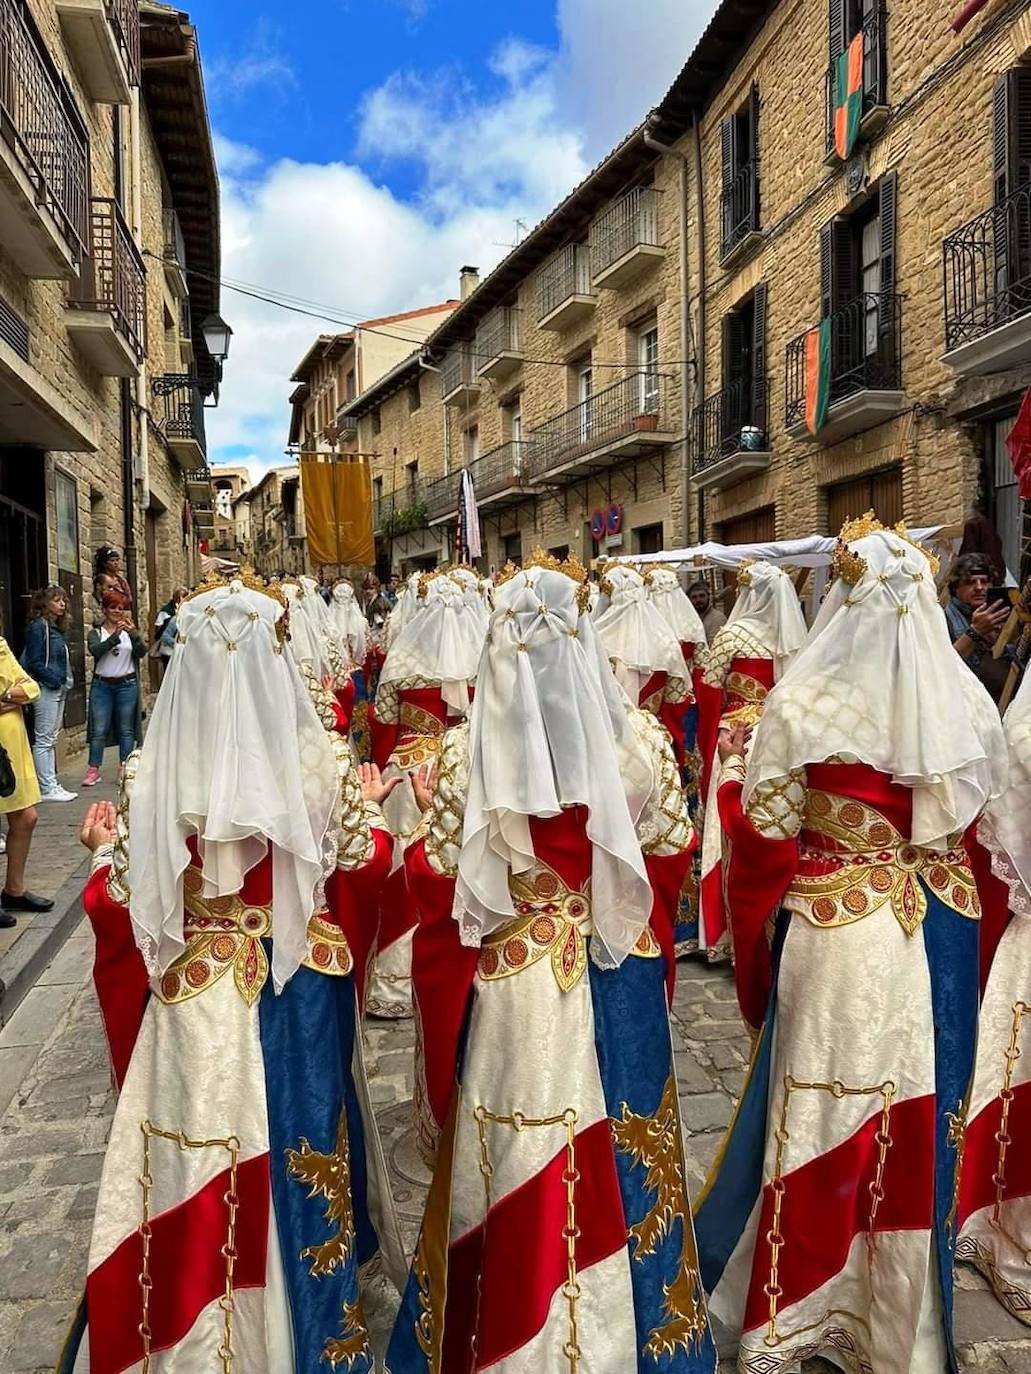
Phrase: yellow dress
(13,735)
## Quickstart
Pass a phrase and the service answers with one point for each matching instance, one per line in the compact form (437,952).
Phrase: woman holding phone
(114,700)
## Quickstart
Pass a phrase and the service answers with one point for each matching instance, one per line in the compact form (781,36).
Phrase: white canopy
(814,551)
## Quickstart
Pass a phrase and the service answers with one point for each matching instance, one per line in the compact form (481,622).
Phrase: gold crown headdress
(850,567)
(246,576)
(424,582)
(744,572)
(570,566)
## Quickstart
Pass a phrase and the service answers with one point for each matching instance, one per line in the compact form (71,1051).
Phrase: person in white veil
(746,657)
(226,986)
(855,918)
(555,828)
(994,1204)
(424,687)
(351,626)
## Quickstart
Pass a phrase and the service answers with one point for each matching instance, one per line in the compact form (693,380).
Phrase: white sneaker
(59,794)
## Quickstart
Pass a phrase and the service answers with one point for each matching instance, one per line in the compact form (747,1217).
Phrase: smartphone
(1000,594)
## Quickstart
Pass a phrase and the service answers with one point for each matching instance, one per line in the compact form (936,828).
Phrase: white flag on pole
(470,517)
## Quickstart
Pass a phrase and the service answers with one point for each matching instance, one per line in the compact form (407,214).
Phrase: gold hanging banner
(337,512)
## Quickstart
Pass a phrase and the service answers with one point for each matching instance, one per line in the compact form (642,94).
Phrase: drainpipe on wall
(141,375)
(686,388)
(700,367)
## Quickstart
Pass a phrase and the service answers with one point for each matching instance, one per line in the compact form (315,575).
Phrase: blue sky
(368,149)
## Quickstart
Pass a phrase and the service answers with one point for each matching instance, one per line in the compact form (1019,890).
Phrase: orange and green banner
(848,97)
(817,375)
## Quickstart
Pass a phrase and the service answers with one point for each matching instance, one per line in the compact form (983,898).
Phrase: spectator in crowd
(393,589)
(107,576)
(711,616)
(160,648)
(45,658)
(974,625)
(114,699)
(19,790)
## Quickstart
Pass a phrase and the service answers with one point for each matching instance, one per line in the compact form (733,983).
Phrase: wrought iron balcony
(739,213)
(499,349)
(875,108)
(987,270)
(865,382)
(404,510)
(624,421)
(347,425)
(564,292)
(180,418)
(105,38)
(625,239)
(44,157)
(498,478)
(107,318)
(730,434)
(459,384)
(175,253)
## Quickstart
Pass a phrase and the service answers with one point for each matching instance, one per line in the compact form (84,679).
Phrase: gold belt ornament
(553,921)
(224,933)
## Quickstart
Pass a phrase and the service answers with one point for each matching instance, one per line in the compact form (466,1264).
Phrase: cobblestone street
(53,1133)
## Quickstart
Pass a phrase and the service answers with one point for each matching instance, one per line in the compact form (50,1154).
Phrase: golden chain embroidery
(957,1138)
(118,879)
(654,1142)
(774,1237)
(446,815)
(1002,1135)
(570,1232)
(329,1177)
(232,1200)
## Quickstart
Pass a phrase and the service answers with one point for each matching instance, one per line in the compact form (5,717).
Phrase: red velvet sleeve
(666,873)
(345,700)
(352,896)
(673,716)
(710,708)
(757,873)
(119,973)
(995,902)
(442,977)
(384,738)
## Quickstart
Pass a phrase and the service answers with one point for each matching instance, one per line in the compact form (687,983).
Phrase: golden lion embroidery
(329,1176)
(654,1143)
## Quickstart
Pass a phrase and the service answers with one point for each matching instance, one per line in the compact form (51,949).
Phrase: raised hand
(374,789)
(98,826)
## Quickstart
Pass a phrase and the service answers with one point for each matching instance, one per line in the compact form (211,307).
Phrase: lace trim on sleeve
(664,826)
(446,815)
(118,879)
(777,807)
(1003,868)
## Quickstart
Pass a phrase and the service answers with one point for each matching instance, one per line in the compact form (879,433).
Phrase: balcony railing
(497,337)
(175,245)
(458,370)
(441,496)
(739,209)
(38,121)
(866,353)
(635,405)
(114,278)
(875,71)
(719,421)
(124,17)
(631,222)
(566,275)
(180,408)
(347,426)
(404,510)
(494,475)
(987,266)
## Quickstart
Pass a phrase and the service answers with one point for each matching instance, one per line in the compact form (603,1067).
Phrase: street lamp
(216,337)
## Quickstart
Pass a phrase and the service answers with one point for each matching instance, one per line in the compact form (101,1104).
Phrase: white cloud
(330,233)
(261,64)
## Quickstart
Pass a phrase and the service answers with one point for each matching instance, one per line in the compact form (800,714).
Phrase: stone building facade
(915,246)
(109,260)
(270,524)
(228,485)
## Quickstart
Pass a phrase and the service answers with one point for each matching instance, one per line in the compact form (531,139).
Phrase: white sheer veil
(351,626)
(441,641)
(636,637)
(767,608)
(1005,829)
(674,605)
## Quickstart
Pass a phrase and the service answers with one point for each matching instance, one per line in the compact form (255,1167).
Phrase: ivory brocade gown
(829,1223)
(557,1234)
(244,1215)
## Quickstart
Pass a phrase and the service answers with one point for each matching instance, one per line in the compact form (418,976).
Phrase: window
(584,391)
(512,548)
(743,341)
(880,492)
(847,19)
(857,291)
(472,444)
(224,501)
(739,156)
(648,363)
(414,399)
(512,421)
(376,420)
(648,539)
(66,501)
(1005,500)
(350,391)
(1011,169)
(412,478)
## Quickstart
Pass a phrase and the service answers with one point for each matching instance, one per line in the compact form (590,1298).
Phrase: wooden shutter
(733,346)
(727,140)
(837,25)
(888,217)
(759,416)
(753,149)
(838,266)
(1011,131)
(827,269)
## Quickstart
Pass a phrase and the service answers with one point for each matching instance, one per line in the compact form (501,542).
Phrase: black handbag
(8,781)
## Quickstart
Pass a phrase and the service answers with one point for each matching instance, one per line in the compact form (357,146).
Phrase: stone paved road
(53,1132)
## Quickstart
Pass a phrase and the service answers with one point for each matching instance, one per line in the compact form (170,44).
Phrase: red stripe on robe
(514,1277)
(187,1267)
(981,1151)
(826,1203)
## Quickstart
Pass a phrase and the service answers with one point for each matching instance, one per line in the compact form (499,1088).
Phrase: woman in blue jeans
(114,699)
(45,658)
